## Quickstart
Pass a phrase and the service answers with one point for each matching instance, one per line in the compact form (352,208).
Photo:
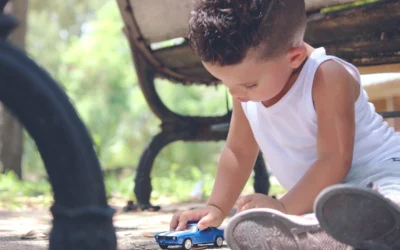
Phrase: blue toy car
(190,237)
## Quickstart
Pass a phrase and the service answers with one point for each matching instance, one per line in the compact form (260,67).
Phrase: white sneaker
(359,217)
(272,230)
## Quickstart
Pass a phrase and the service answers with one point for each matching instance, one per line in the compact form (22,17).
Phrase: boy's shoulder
(334,88)
(332,66)
(332,74)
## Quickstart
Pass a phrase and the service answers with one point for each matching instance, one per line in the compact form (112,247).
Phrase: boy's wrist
(283,206)
(210,204)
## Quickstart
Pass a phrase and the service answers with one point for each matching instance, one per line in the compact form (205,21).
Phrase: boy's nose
(238,94)
(235,92)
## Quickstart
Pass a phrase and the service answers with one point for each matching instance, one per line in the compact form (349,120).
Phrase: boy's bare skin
(334,94)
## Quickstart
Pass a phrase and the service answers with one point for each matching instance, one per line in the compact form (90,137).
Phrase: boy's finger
(243,200)
(206,221)
(174,222)
(248,206)
(182,222)
(179,221)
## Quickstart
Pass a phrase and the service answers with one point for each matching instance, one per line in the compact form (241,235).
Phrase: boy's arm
(334,93)
(236,162)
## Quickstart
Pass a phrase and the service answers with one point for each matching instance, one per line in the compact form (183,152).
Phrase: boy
(309,115)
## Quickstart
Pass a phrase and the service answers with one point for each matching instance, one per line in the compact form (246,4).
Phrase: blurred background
(81,44)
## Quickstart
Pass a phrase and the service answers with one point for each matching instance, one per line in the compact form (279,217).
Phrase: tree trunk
(11,133)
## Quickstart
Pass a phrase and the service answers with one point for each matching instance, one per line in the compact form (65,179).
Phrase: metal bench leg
(82,217)
(261,176)
(143,187)
(174,126)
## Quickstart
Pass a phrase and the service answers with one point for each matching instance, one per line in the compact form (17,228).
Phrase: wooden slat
(178,57)
(366,46)
(386,68)
(199,73)
(137,43)
(320,4)
(381,91)
(161,20)
(379,17)
(367,52)
(182,60)
(367,35)
(196,72)
(362,44)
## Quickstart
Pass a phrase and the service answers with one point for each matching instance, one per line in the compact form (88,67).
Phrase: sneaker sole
(359,217)
(265,229)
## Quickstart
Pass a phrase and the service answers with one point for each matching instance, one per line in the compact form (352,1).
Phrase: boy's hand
(209,216)
(259,201)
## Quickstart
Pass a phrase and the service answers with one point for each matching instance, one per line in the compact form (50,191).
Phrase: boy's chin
(242,99)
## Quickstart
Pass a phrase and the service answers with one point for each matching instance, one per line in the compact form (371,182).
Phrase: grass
(27,195)
(18,196)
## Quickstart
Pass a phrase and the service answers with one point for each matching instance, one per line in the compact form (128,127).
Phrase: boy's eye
(251,86)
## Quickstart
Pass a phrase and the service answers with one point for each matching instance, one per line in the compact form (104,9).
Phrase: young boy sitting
(310,116)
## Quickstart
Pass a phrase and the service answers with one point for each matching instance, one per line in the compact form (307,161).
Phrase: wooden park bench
(367,35)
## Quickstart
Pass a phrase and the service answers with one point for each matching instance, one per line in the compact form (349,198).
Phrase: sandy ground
(129,226)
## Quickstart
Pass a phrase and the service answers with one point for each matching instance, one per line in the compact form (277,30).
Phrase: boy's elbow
(340,161)
(343,162)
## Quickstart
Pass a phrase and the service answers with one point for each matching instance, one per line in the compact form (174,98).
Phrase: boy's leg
(269,229)
(360,217)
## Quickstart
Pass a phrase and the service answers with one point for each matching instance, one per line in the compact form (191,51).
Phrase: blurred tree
(52,25)
(11,136)
(82,45)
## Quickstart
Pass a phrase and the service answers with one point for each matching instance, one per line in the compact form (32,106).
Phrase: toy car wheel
(187,244)
(164,246)
(219,241)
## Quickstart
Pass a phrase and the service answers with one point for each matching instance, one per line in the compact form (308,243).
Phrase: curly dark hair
(223,31)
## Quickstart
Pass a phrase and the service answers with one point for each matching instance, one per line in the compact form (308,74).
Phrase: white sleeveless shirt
(286,132)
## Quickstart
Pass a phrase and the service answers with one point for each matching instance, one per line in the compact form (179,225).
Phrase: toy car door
(207,235)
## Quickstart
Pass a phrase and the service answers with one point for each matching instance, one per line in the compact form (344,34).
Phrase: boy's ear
(296,56)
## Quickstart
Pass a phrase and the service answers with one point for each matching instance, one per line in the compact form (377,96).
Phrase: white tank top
(286,132)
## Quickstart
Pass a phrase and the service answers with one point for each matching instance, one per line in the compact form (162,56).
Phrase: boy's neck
(289,84)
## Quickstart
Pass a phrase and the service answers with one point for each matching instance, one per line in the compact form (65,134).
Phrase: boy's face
(253,79)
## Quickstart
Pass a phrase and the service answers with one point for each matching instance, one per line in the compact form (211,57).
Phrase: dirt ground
(130,228)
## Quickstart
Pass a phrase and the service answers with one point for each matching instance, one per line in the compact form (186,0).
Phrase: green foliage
(119,186)
(196,100)
(17,195)
(37,194)
(95,68)
(104,88)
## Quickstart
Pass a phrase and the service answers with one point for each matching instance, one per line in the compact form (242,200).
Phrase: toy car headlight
(156,236)
(175,238)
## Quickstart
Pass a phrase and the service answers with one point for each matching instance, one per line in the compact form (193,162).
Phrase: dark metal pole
(82,216)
